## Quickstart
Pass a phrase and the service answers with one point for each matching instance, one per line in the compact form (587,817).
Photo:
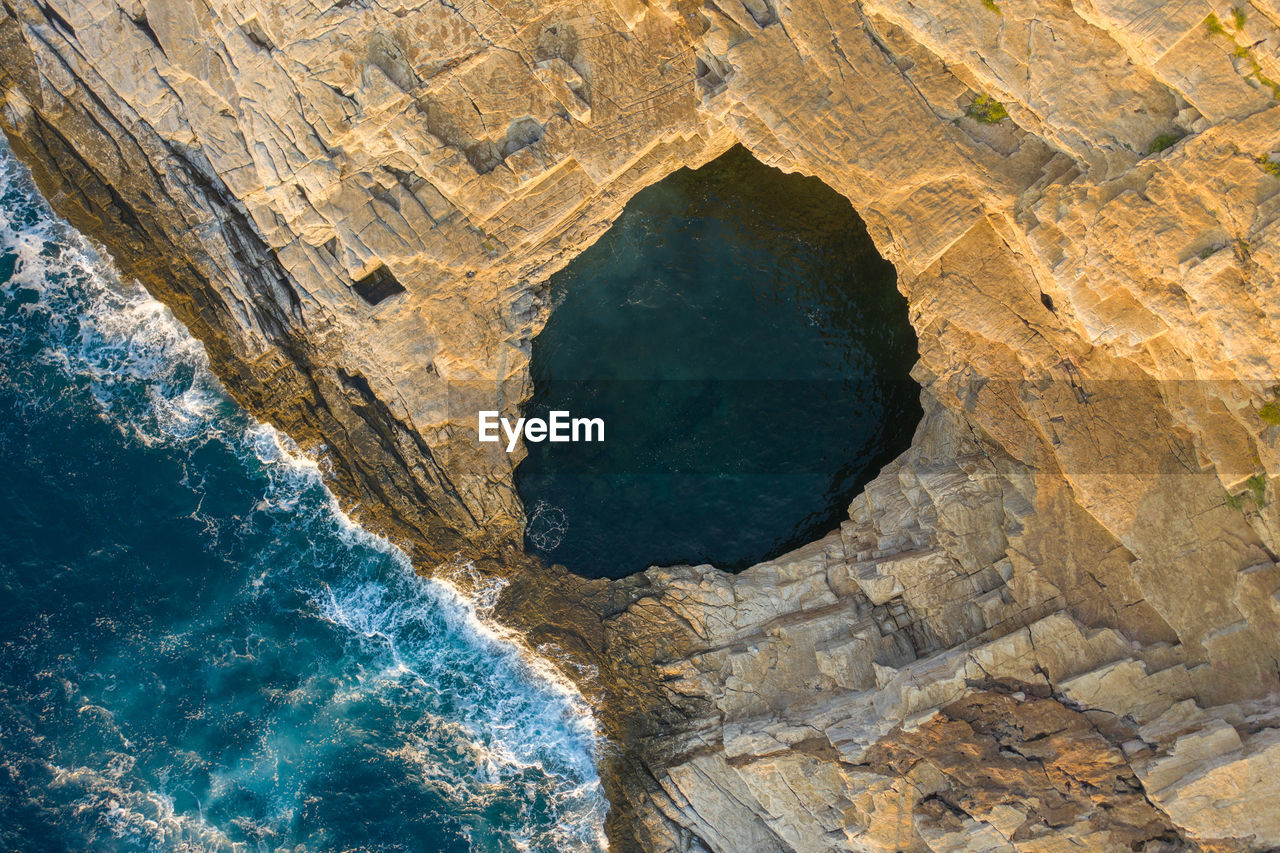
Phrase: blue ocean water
(198,651)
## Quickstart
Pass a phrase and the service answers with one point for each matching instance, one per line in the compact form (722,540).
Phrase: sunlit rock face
(749,354)
(1088,505)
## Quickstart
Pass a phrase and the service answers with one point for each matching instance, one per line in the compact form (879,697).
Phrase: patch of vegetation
(1264,79)
(991,4)
(1255,493)
(1214,25)
(1271,167)
(1207,252)
(1255,71)
(1257,486)
(987,110)
(1270,412)
(1164,141)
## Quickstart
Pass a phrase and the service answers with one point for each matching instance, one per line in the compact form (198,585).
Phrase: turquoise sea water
(198,652)
(750,355)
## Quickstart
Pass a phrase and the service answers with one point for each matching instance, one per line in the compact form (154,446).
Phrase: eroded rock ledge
(1053,624)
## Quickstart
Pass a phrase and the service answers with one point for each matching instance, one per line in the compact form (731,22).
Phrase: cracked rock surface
(1052,624)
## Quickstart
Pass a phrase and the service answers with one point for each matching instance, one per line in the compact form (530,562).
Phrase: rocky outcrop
(1051,624)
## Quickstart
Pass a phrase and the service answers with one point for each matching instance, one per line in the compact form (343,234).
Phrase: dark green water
(750,355)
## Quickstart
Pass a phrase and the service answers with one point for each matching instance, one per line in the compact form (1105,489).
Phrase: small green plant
(1163,141)
(1255,71)
(1265,80)
(1214,25)
(1271,167)
(1269,412)
(1255,493)
(987,110)
(991,4)
(1207,252)
(1257,486)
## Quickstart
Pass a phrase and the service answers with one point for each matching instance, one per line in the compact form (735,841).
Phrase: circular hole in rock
(749,353)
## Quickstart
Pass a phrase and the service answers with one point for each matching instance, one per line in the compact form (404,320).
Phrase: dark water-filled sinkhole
(749,352)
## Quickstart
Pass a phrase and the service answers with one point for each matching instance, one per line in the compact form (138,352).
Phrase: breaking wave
(199,651)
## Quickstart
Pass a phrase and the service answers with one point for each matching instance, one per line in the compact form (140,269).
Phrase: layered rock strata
(1052,624)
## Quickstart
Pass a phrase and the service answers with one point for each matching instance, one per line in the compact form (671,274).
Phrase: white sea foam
(547,526)
(150,379)
(106,333)
(142,819)
(521,728)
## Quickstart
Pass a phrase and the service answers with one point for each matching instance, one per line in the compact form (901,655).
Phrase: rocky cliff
(1052,624)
